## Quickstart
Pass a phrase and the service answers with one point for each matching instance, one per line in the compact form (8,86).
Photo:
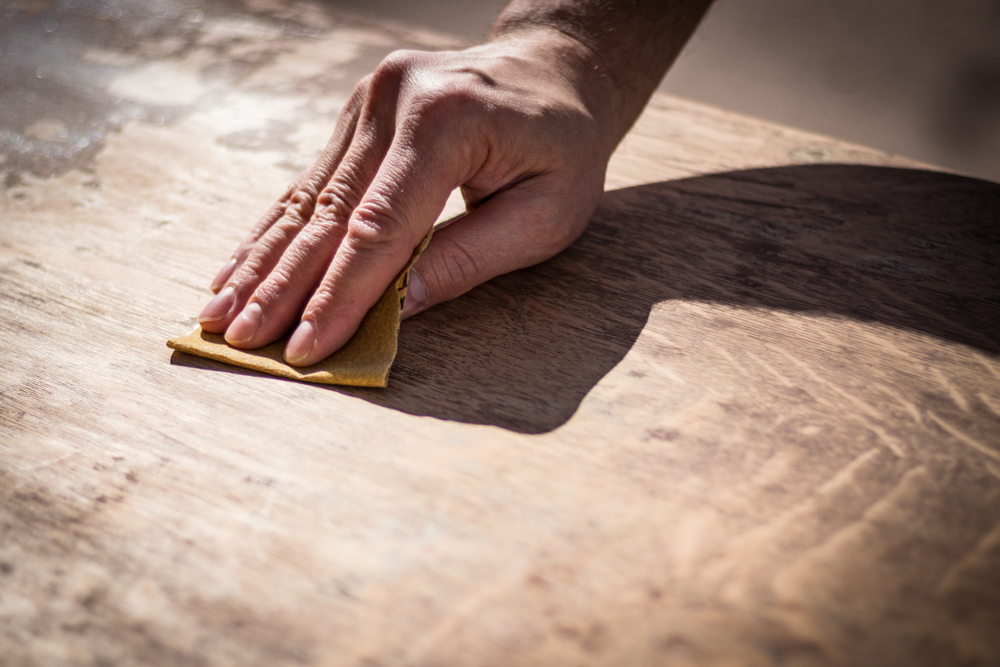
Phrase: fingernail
(246,325)
(416,295)
(223,275)
(219,306)
(301,344)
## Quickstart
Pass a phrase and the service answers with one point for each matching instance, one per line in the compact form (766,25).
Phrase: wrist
(619,50)
(582,69)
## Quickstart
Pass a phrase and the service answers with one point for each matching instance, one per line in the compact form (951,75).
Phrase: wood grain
(751,417)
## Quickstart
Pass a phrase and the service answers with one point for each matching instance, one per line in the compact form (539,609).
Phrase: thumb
(514,229)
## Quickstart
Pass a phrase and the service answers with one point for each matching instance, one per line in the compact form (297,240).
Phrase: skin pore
(524,124)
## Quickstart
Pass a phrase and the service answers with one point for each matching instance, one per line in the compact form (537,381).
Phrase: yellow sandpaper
(363,362)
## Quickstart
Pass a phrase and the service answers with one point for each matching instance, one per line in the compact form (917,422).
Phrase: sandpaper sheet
(363,362)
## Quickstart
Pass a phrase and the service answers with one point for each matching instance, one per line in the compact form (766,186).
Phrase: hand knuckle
(271,289)
(322,304)
(393,68)
(247,275)
(373,230)
(300,206)
(336,203)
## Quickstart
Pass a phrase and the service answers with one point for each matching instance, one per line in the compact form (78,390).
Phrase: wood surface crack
(966,439)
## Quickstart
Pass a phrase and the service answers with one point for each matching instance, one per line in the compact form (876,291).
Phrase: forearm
(618,50)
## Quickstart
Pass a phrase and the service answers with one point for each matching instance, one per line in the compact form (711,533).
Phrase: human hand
(511,122)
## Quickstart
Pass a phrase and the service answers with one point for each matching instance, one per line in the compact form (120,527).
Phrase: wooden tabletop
(752,417)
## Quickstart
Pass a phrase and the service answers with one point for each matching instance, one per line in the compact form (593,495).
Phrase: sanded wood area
(752,417)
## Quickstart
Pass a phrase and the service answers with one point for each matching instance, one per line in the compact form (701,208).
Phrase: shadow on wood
(912,249)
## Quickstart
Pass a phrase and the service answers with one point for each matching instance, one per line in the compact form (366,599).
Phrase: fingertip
(300,346)
(245,327)
(223,276)
(417,296)
(218,308)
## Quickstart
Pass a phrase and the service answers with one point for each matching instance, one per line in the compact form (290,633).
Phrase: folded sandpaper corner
(363,362)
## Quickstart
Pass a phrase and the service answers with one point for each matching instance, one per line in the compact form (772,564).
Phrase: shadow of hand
(907,248)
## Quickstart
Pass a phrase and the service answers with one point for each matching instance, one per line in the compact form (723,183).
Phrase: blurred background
(919,78)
